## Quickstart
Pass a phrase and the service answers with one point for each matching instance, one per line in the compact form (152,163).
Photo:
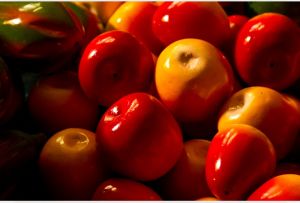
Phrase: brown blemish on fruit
(75,139)
(238,103)
(185,58)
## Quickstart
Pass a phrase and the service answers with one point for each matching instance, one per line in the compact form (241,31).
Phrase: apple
(177,20)
(186,180)
(283,187)
(193,79)
(10,94)
(39,37)
(71,165)
(136,18)
(266,110)
(57,102)
(267,51)
(139,137)
(294,154)
(28,27)
(125,190)
(113,65)
(236,22)
(103,9)
(239,159)
(207,199)
(92,26)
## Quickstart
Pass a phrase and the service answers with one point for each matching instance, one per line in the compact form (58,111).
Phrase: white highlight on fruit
(106,40)
(115,110)
(60,140)
(111,188)
(271,193)
(119,20)
(92,54)
(15,21)
(218,164)
(116,127)
(257,26)
(165,18)
(193,62)
(32,7)
(133,106)
(247,40)
(230,135)
(167,63)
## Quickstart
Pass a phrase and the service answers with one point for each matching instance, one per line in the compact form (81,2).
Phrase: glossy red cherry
(177,20)
(186,180)
(236,22)
(57,102)
(282,187)
(124,189)
(113,65)
(267,51)
(140,137)
(239,159)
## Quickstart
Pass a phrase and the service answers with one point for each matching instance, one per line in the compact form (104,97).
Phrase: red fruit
(267,51)
(236,22)
(276,115)
(177,20)
(282,187)
(193,80)
(186,180)
(136,18)
(71,165)
(239,159)
(113,65)
(140,137)
(124,189)
(57,102)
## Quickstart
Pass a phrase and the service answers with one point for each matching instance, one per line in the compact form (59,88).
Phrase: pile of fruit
(149,101)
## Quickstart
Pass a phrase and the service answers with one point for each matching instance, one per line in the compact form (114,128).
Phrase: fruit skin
(34,26)
(236,22)
(173,21)
(267,51)
(283,187)
(139,137)
(124,189)
(207,199)
(71,165)
(57,102)
(186,180)
(136,18)
(103,9)
(267,110)
(113,65)
(92,26)
(233,168)
(204,80)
